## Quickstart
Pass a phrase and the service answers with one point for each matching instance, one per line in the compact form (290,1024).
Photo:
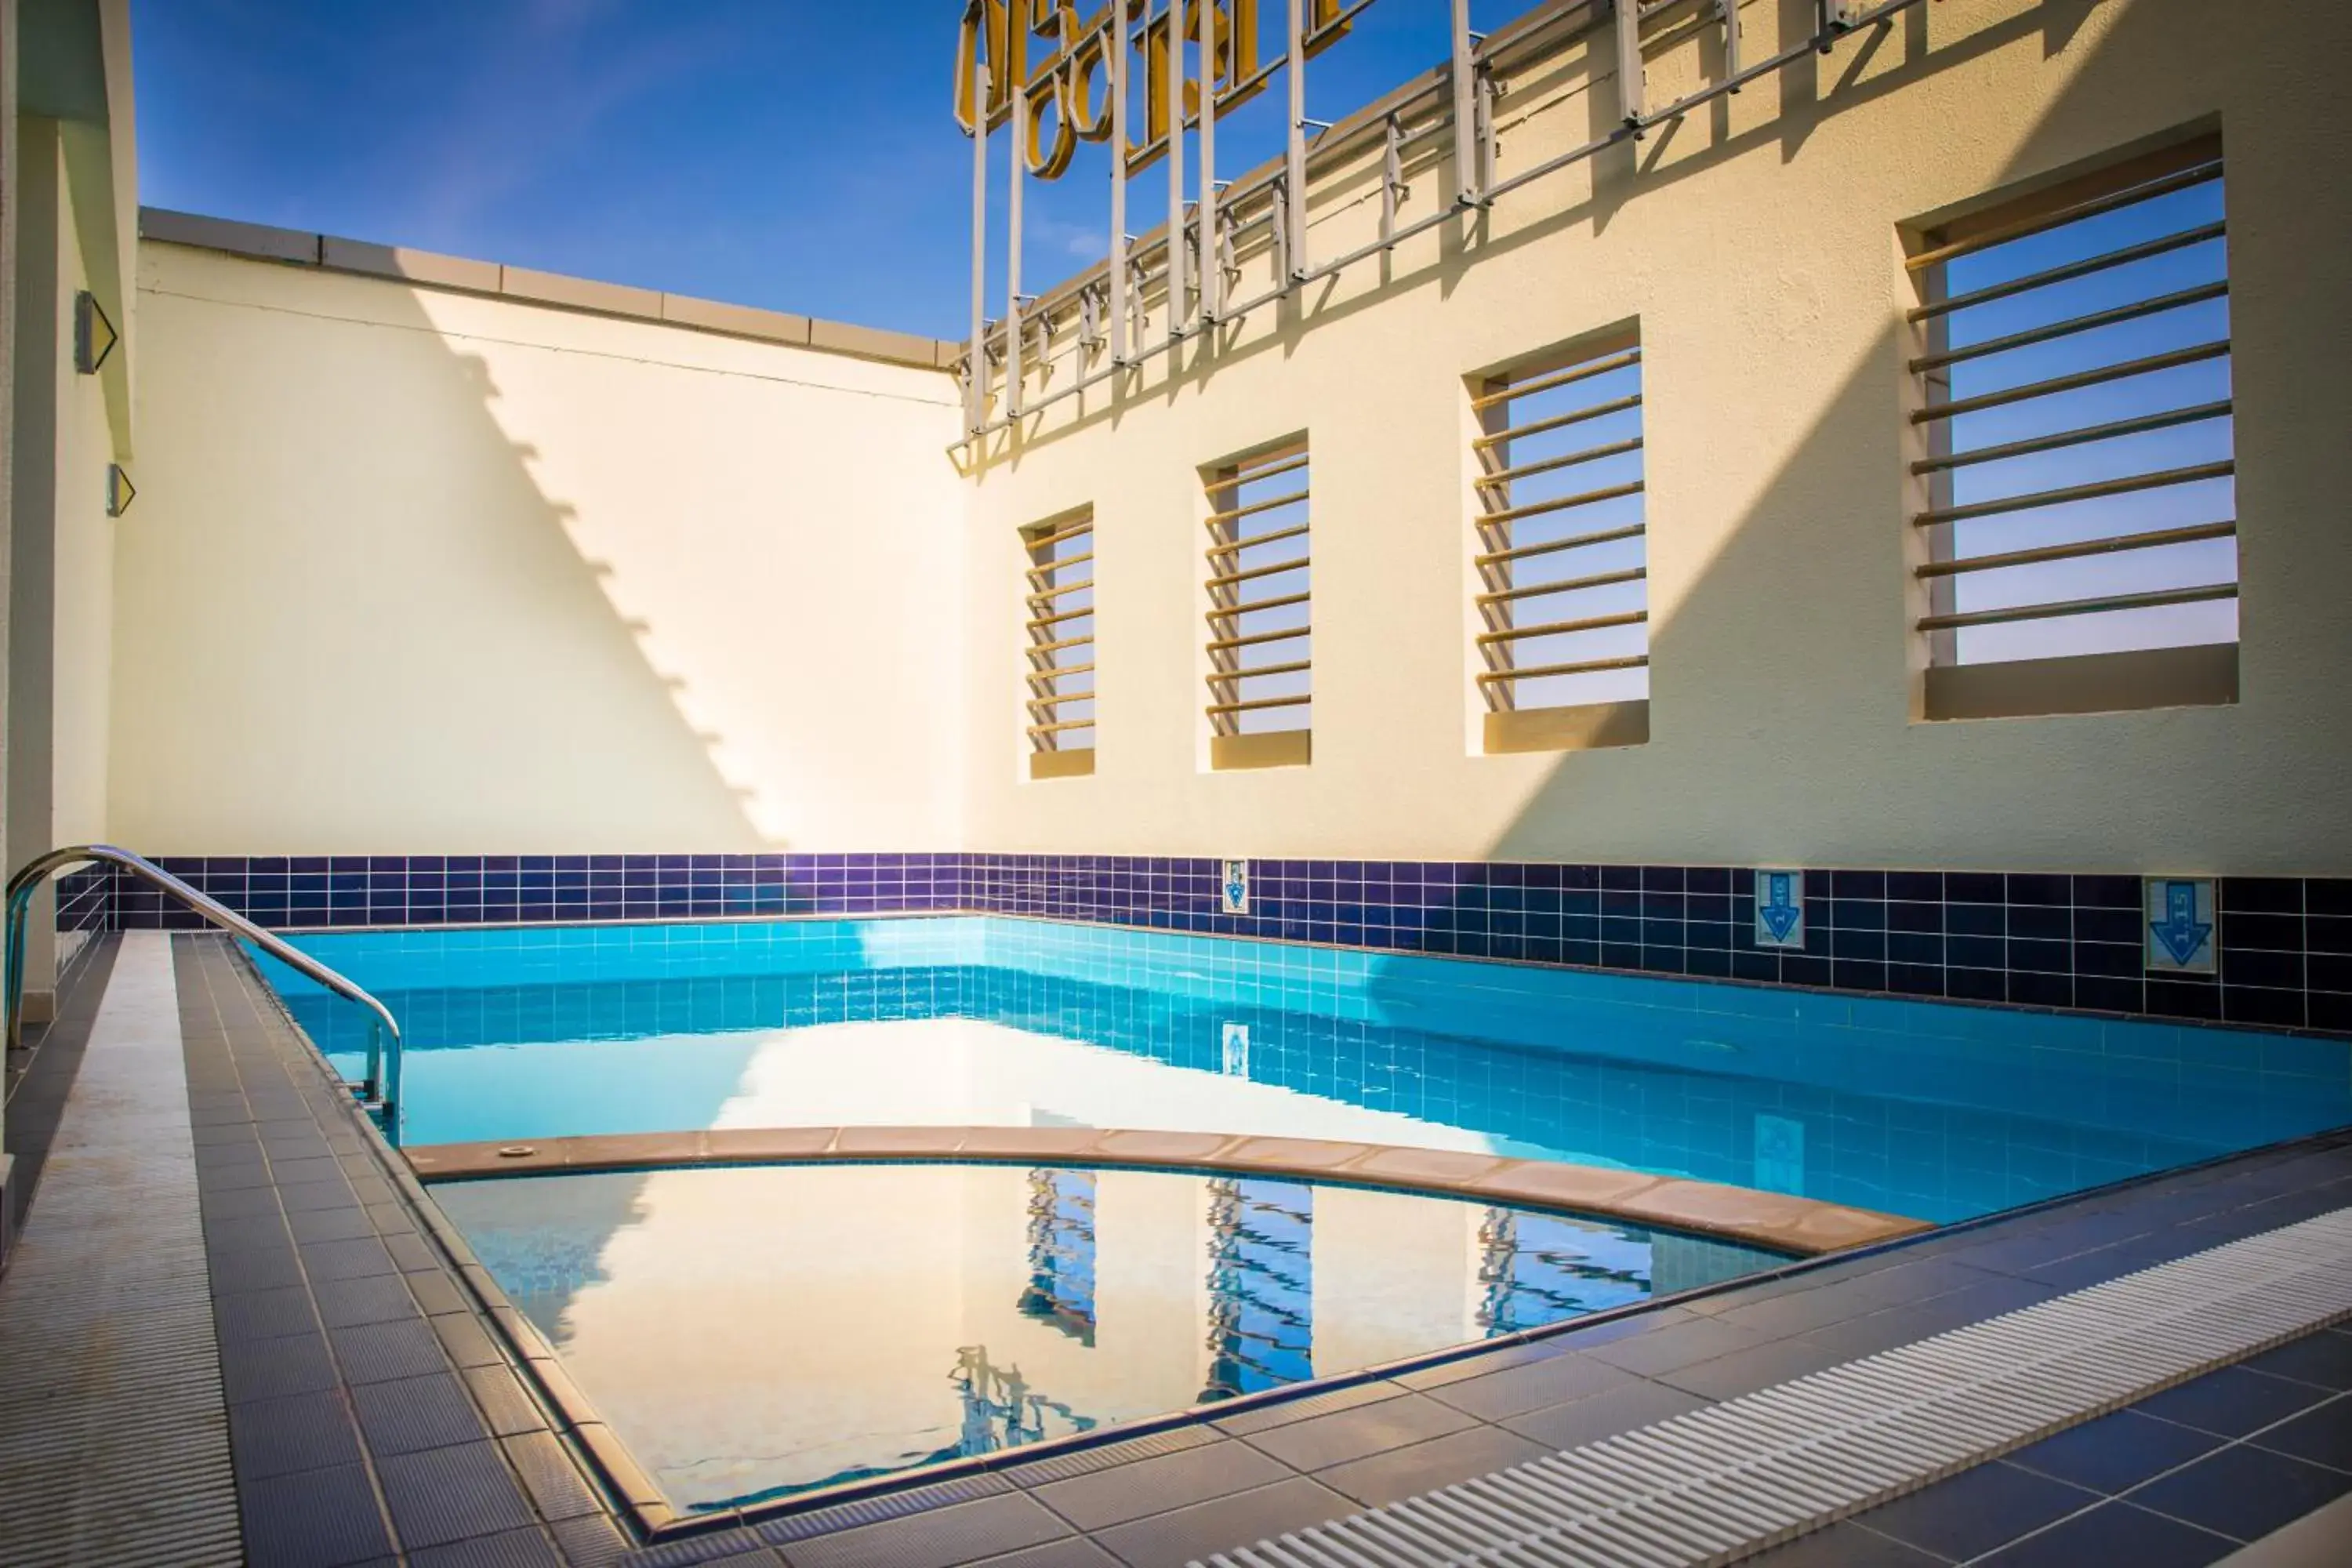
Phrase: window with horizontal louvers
(1260,631)
(1562,649)
(1059,695)
(2075,497)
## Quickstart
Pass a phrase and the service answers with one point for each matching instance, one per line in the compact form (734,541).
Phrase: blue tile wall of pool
(2039,940)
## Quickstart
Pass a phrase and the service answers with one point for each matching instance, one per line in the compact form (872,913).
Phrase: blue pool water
(1933,1110)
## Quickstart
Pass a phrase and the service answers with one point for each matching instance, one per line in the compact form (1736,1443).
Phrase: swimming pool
(1937,1111)
(873,1320)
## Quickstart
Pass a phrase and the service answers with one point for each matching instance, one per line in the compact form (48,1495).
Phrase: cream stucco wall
(1757,248)
(418,572)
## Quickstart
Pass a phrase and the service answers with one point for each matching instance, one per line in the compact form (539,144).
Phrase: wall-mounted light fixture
(94,335)
(120,492)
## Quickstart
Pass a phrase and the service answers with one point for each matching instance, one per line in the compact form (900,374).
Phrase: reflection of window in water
(1536,1268)
(1261,1285)
(1001,1410)
(1061,1289)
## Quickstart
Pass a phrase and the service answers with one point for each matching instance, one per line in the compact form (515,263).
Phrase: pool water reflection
(753,1332)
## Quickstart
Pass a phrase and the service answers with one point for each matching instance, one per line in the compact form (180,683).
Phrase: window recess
(1058,695)
(2073,513)
(1561,648)
(1260,640)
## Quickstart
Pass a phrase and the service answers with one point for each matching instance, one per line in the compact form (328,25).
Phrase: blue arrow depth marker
(2182,934)
(1780,915)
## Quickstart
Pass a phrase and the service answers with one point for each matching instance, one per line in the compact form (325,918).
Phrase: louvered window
(1060,679)
(1260,641)
(2074,517)
(1563,652)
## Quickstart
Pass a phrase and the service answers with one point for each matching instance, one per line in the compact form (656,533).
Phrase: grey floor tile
(301,1432)
(1032,1473)
(2325,1359)
(2116,1533)
(551,1475)
(304,1197)
(353,1259)
(467,1343)
(248,1231)
(1440,1462)
(239,1203)
(1075,1553)
(505,1406)
(436,1292)
(381,1352)
(2232,1402)
(414,1254)
(1844,1546)
(1676,1345)
(1551,1381)
(270,1267)
(1480,1365)
(1604,1414)
(1367,1429)
(390,1219)
(2242,1492)
(272,1369)
(330,1224)
(264,1314)
(989,1528)
(311,1168)
(1172,1539)
(515,1549)
(2116,1452)
(371,1299)
(1281,1413)
(1759,1367)
(451,1494)
(322,1519)
(2319,1437)
(1976,1510)
(415,1413)
(1159,1484)
(593,1541)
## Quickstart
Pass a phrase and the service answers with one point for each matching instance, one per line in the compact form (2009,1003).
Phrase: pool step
(1718,1484)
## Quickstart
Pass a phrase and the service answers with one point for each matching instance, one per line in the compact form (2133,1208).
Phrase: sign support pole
(1175,271)
(1119,182)
(976,357)
(1294,157)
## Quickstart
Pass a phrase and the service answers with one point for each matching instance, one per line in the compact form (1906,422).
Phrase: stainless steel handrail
(382,1085)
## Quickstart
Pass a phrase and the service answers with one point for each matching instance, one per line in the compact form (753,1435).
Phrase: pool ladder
(379,1091)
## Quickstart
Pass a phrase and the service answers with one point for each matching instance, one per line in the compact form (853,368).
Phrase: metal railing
(380,1090)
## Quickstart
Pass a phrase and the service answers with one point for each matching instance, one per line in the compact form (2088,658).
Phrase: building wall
(1757,245)
(61,586)
(415,570)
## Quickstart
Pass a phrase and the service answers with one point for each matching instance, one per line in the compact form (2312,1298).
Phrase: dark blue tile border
(2028,939)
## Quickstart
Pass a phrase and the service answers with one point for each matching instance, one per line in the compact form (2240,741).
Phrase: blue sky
(799,154)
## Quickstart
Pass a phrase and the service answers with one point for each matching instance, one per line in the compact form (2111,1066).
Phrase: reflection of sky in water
(751,1332)
(1931,1110)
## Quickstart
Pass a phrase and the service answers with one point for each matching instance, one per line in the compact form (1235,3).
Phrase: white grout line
(1721,1483)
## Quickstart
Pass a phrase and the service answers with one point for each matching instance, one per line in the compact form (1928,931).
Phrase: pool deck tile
(1156,1485)
(1323,1441)
(1379,1479)
(343,1333)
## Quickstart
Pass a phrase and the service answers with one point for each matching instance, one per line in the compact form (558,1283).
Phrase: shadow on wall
(346,600)
(2019,784)
(1743,615)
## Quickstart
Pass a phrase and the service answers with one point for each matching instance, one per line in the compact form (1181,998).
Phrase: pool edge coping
(1774,1222)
